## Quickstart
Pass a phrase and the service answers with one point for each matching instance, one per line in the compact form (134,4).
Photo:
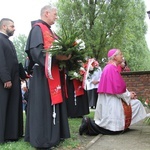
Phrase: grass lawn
(75,142)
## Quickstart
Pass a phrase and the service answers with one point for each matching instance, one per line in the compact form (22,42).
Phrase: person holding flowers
(47,121)
(94,73)
(117,108)
(70,43)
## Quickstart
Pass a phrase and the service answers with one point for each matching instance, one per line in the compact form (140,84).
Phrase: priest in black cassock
(47,122)
(11,118)
(77,100)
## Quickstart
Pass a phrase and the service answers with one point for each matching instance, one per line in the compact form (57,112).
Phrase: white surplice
(109,112)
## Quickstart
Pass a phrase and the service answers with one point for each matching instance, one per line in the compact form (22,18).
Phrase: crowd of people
(51,97)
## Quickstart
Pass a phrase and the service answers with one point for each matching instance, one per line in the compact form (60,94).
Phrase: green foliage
(68,43)
(19,145)
(147,121)
(73,74)
(106,25)
(20,43)
(146,104)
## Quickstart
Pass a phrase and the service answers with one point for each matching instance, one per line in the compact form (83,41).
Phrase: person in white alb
(92,82)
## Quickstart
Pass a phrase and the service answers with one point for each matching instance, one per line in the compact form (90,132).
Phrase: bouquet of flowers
(69,44)
(77,74)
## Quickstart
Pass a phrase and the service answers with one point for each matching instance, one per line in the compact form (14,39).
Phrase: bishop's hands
(133,95)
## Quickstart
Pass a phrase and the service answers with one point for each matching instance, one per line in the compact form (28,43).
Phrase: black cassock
(42,130)
(76,106)
(11,117)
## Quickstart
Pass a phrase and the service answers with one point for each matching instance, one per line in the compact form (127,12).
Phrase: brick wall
(138,82)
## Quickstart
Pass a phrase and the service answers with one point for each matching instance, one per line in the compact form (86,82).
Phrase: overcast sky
(22,12)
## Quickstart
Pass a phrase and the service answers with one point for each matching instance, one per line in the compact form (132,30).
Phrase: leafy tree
(20,43)
(134,43)
(107,24)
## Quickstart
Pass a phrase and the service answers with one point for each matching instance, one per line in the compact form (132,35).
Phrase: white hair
(47,8)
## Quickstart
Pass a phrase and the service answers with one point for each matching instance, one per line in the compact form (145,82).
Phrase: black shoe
(84,126)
